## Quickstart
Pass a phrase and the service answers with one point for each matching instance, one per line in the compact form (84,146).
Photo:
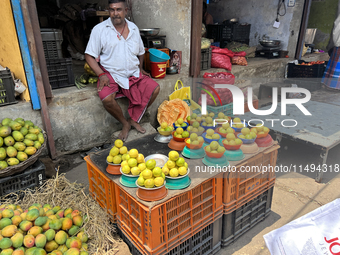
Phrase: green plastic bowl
(175,184)
(234,155)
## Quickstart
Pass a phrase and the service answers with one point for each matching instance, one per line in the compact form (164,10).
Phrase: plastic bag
(224,51)
(205,43)
(170,111)
(241,61)
(220,61)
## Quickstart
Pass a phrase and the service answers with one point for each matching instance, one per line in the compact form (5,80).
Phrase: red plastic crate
(240,187)
(101,189)
(160,228)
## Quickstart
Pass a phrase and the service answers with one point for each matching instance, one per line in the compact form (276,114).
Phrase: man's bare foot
(137,126)
(125,132)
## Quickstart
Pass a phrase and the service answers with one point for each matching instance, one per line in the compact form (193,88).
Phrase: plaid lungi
(331,76)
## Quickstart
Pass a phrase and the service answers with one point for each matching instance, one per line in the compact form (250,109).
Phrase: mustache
(116,17)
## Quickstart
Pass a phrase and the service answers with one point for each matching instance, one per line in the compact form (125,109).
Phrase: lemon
(210,132)
(123,150)
(118,143)
(170,164)
(220,115)
(114,151)
(254,130)
(180,162)
(168,129)
(140,158)
(149,183)
(117,160)
(173,155)
(193,137)
(147,174)
(232,142)
(163,176)
(174,172)
(245,131)
(135,170)
(186,165)
(124,163)
(196,142)
(225,141)
(230,136)
(157,172)
(230,130)
(188,141)
(159,181)
(208,149)
(253,135)
(215,136)
(200,139)
(180,121)
(225,125)
(238,141)
(133,153)
(132,162)
(124,156)
(179,131)
(182,170)
(221,149)
(164,125)
(237,120)
(127,157)
(165,170)
(214,145)
(109,159)
(126,169)
(142,166)
(265,129)
(140,181)
(150,164)
(185,134)
(189,128)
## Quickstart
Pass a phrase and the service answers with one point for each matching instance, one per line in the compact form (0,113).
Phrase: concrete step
(134,134)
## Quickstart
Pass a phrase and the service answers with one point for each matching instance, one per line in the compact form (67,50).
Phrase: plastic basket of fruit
(193,145)
(233,146)
(194,117)
(150,194)
(261,131)
(223,132)
(262,135)
(246,139)
(165,132)
(237,124)
(210,136)
(180,123)
(176,138)
(179,175)
(212,154)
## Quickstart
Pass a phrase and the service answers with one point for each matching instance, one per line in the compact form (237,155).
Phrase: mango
(57,252)
(51,245)
(3,165)
(41,212)
(9,231)
(5,243)
(53,217)
(21,121)
(8,251)
(49,212)
(7,213)
(30,150)
(32,215)
(60,213)
(69,216)
(37,205)
(37,145)
(18,252)
(1,141)
(17,136)
(1,237)
(28,142)
(75,213)
(17,240)
(66,224)
(84,247)
(17,212)
(55,224)
(84,253)
(6,121)
(16,220)
(72,251)
(34,231)
(78,220)
(9,141)
(61,237)
(11,152)
(24,131)
(38,128)
(56,209)
(25,225)
(39,251)
(31,137)
(5,131)
(13,161)
(23,215)
(62,248)
(33,131)
(41,138)
(29,241)
(48,206)
(40,221)
(50,234)
(31,251)
(3,153)
(83,237)
(22,156)
(67,211)
(46,226)
(5,222)
(73,230)
(75,243)
(20,231)
(11,206)
(29,123)
(40,241)
(15,125)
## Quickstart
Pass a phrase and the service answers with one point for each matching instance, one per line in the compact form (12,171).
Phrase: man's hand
(144,72)
(103,81)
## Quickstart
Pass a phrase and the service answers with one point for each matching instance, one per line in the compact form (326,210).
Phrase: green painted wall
(322,16)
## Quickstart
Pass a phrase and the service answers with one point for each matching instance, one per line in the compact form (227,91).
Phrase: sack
(170,111)
(180,93)
(205,43)
(220,78)
(220,61)
(241,61)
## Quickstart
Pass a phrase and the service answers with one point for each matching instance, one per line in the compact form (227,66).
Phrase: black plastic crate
(312,84)
(52,39)
(33,177)
(206,59)
(7,95)
(238,222)
(214,32)
(60,72)
(205,242)
(241,33)
(304,71)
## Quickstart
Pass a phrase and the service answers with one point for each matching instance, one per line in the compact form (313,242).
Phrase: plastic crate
(160,228)
(304,71)
(229,32)
(241,33)
(219,32)
(60,72)
(312,84)
(205,241)
(205,59)
(228,108)
(101,189)
(52,39)
(7,95)
(33,177)
(240,187)
(238,222)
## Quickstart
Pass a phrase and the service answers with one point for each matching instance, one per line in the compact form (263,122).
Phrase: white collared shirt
(118,57)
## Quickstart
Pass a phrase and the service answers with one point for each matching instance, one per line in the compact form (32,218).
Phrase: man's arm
(141,62)
(103,79)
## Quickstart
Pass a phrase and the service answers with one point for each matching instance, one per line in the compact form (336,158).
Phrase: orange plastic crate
(101,189)
(240,187)
(164,226)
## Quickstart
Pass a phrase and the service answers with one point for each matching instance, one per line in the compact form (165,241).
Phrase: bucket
(158,56)
(158,70)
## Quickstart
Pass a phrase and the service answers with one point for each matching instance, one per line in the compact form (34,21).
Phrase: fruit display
(181,133)
(165,127)
(260,130)
(133,163)
(232,140)
(237,123)
(194,117)
(247,134)
(215,148)
(41,230)
(118,153)
(195,139)
(180,123)
(176,166)
(19,139)
(152,176)
(196,128)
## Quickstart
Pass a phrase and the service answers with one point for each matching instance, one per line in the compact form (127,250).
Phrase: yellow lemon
(118,143)
(182,170)
(140,181)
(149,183)
(124,163)
(173,155)
(140,158)
(186,165)
(179,131)
(147,174)
(109,159)
(142,166)
(157,172)
(117,160)
(214,145)
(165,170)
(135,170)
(133,153)
(163,176)
(126,169)
(171,164)
(238,141)
(114,151)
(180,121)
(159,181)
(164,125)
(124,156)
(150,164)
(180,162)
(174,172)
(132,162)
(230,136)
(127,157)
(123,150)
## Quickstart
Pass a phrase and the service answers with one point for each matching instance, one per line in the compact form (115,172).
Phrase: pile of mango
(19,139)
(41,230)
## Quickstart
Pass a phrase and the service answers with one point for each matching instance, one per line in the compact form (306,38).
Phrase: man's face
(117,12)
